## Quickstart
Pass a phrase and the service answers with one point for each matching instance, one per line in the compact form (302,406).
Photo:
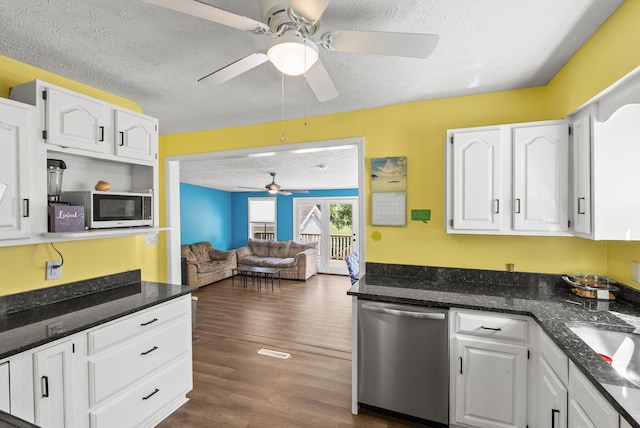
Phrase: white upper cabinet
(476,182)
(508,179)
(540,177)
(73,120)
(83,125)
(15,122)
(96,140)
(615,174)
(581,197)
(136,135)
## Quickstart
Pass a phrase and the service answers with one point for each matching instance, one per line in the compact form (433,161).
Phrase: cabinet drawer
(146,399)
(491,326)
(115,370)
(140,323)
(557,359)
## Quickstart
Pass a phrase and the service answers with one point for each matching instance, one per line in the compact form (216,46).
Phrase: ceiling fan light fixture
(293,55)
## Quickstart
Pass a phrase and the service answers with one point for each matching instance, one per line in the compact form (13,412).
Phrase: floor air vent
(275,354)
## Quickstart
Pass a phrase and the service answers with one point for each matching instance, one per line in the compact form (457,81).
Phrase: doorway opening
(172,200)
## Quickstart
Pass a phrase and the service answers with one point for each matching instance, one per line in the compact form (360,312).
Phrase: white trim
(275,214)
(326,201)
(172,182)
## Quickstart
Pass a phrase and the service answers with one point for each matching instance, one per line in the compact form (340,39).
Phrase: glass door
(332,223)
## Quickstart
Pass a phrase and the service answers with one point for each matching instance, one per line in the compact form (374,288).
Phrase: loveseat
(296,260)
(205,264)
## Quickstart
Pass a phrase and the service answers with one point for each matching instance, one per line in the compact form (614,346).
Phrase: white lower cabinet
(587,407)
(5,391)
(148,401)
(489,371)
(140,367)
(54,398)
(552,398)
(133,371)
(564,397)
(507,372)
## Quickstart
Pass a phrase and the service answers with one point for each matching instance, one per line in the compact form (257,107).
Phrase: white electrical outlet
(54,269)
(635,271)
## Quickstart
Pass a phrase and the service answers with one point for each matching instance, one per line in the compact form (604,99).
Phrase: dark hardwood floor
(234,386)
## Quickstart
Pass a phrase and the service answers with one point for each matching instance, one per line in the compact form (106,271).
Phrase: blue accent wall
(205,215)
(223,217)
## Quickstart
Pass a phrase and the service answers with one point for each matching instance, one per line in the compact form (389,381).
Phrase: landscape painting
(389,174)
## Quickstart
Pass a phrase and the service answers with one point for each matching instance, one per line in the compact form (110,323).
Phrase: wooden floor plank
(234,386)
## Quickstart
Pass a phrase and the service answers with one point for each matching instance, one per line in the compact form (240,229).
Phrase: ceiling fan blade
(236,68)
(309,11)
(320,82)
(251,188)
(212,13)
(294,191)
(378,42)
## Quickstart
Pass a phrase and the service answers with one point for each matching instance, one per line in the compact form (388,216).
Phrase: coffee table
(256,274)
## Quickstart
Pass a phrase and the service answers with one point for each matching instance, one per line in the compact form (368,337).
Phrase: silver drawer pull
(149,351)
(490,328)
(149,322)
(155,391)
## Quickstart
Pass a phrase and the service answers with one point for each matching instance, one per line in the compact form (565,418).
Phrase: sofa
(296,260)
(205,264)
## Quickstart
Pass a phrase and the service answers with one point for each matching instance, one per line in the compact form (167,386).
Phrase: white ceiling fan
(274,188)
(294,49)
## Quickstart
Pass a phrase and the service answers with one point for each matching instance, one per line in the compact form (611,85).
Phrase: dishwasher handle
(408,314)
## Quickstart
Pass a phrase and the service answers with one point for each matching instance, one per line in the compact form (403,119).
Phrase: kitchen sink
(618,346)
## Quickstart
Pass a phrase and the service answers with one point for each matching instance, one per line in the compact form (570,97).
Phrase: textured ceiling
(155,56)
(330,168)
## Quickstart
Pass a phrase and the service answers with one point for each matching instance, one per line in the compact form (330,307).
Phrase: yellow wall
(415,130)
(23,267)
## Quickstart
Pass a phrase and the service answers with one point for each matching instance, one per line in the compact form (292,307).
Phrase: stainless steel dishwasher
(403,359)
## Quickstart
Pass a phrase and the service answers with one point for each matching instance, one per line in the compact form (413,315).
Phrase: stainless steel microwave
(103,210)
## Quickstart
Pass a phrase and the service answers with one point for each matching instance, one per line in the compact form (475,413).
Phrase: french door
(332,222)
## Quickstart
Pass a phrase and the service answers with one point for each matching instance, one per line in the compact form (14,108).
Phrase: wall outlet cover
(421,215)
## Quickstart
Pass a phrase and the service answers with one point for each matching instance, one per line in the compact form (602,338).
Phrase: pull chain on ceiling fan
(295,47)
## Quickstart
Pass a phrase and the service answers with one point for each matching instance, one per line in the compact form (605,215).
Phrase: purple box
(66,218)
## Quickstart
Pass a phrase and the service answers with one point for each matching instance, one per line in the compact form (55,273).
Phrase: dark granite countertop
(545,298)
(24,321)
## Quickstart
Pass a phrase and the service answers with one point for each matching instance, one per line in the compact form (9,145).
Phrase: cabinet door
(14,175)
(491,384)
(587,407)
(476,176)
(52,371)
(552,398)
(5,392)
(582,175)
(136,135)
(72,120)
(540,177)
